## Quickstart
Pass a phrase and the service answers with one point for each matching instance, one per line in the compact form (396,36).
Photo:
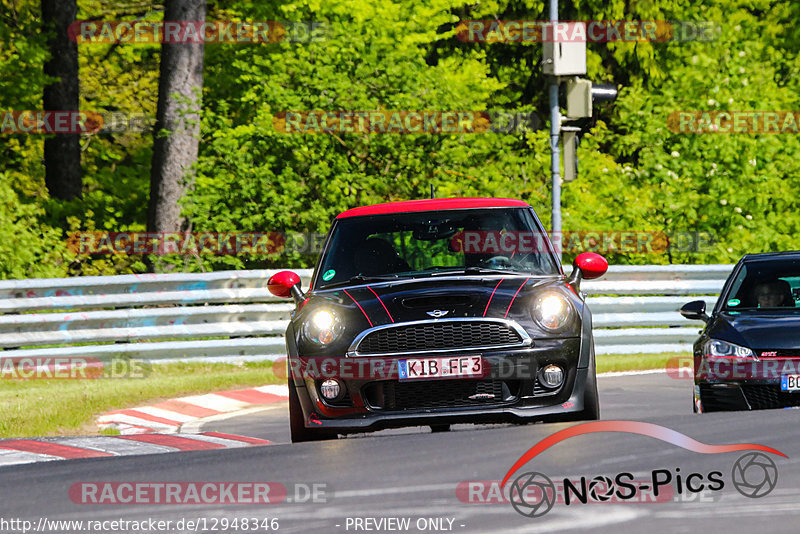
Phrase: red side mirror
(591,265)
(281,283)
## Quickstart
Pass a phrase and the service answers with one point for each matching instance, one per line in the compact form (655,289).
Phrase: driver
(773,294)
(377,256)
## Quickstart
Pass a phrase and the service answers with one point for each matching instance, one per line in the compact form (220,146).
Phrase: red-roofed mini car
(434,312)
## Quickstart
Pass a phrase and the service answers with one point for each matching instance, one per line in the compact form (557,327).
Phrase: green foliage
(29,249)
(635,173)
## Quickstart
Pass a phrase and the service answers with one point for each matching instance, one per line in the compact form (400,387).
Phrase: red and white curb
(23,451)
(168,416)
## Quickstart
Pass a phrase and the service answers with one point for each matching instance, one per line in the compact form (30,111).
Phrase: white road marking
(9,457)
(116,446)
(275,389)
(215,402)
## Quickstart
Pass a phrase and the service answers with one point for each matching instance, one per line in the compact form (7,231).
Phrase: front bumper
(744,395)
(372,404)
(723,385)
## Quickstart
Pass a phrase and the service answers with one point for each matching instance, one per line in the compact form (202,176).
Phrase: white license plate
(790,382)
(446,367)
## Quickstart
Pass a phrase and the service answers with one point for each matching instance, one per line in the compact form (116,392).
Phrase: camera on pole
(582,94)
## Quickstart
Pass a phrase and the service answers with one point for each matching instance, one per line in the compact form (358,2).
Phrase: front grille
(763,397)
(717,399)
(758,396)
(399,396)
(440,335)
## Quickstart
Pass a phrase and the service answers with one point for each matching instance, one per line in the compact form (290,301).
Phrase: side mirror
(587,265)
(285,284)
(695,310)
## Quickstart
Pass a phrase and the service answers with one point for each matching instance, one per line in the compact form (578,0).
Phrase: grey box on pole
(579,98)
(562,57)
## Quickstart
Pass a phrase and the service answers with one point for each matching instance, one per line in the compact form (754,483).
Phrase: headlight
(322,327)
(722,349)
(552,311)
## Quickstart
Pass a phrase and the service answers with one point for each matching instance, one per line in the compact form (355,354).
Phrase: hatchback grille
(758,397)
(399,396)
(440,335)
(762,397)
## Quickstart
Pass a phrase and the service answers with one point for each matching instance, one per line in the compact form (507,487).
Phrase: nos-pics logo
(533,494)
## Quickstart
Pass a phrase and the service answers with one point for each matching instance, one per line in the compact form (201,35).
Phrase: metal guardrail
(635,307)
(161,316)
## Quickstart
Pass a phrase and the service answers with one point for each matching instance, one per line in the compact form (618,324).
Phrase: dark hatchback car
(434,312)
(748,355)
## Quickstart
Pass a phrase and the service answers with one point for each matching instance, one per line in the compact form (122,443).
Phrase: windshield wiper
(477,270)
(361,279)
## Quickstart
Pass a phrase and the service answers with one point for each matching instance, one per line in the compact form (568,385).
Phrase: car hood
(759,330)
(439,297)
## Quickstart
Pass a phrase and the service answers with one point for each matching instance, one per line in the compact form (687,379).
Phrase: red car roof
(433,204)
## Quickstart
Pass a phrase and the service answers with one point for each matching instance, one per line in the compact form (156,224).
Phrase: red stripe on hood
(515,296)
(382,304)
(492,296)
(359,307)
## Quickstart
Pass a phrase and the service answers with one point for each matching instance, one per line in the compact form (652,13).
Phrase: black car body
(433,312)
(748,354)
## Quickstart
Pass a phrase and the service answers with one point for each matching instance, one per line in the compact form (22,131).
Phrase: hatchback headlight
(716,348)
(322,327)
(552,311)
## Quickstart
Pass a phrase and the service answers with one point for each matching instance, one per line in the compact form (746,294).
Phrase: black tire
(439,428)
(297,427)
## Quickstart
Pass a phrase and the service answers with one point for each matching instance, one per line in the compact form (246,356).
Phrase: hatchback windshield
(769,284)
(432,243)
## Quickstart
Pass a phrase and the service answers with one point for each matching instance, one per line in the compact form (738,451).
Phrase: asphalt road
(415,474)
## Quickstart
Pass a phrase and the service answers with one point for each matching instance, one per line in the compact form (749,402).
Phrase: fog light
(330,389)
(552,376)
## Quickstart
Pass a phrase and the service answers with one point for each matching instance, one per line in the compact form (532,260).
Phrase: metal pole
(555,127)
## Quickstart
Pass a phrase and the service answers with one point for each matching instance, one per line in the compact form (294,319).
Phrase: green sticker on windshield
(734,302)
(330,273)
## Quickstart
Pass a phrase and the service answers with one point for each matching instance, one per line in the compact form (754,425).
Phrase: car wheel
(297,426)
(440,428)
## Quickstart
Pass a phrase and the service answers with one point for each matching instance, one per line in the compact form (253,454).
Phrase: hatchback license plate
(447,367)
(790,382)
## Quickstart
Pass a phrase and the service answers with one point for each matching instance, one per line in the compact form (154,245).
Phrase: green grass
(57,407)
(639,362)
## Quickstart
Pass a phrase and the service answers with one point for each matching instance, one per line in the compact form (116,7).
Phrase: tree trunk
(177,128)
(62,151)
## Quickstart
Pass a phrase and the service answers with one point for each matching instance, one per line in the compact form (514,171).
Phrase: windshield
(773,285)
(432,243)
